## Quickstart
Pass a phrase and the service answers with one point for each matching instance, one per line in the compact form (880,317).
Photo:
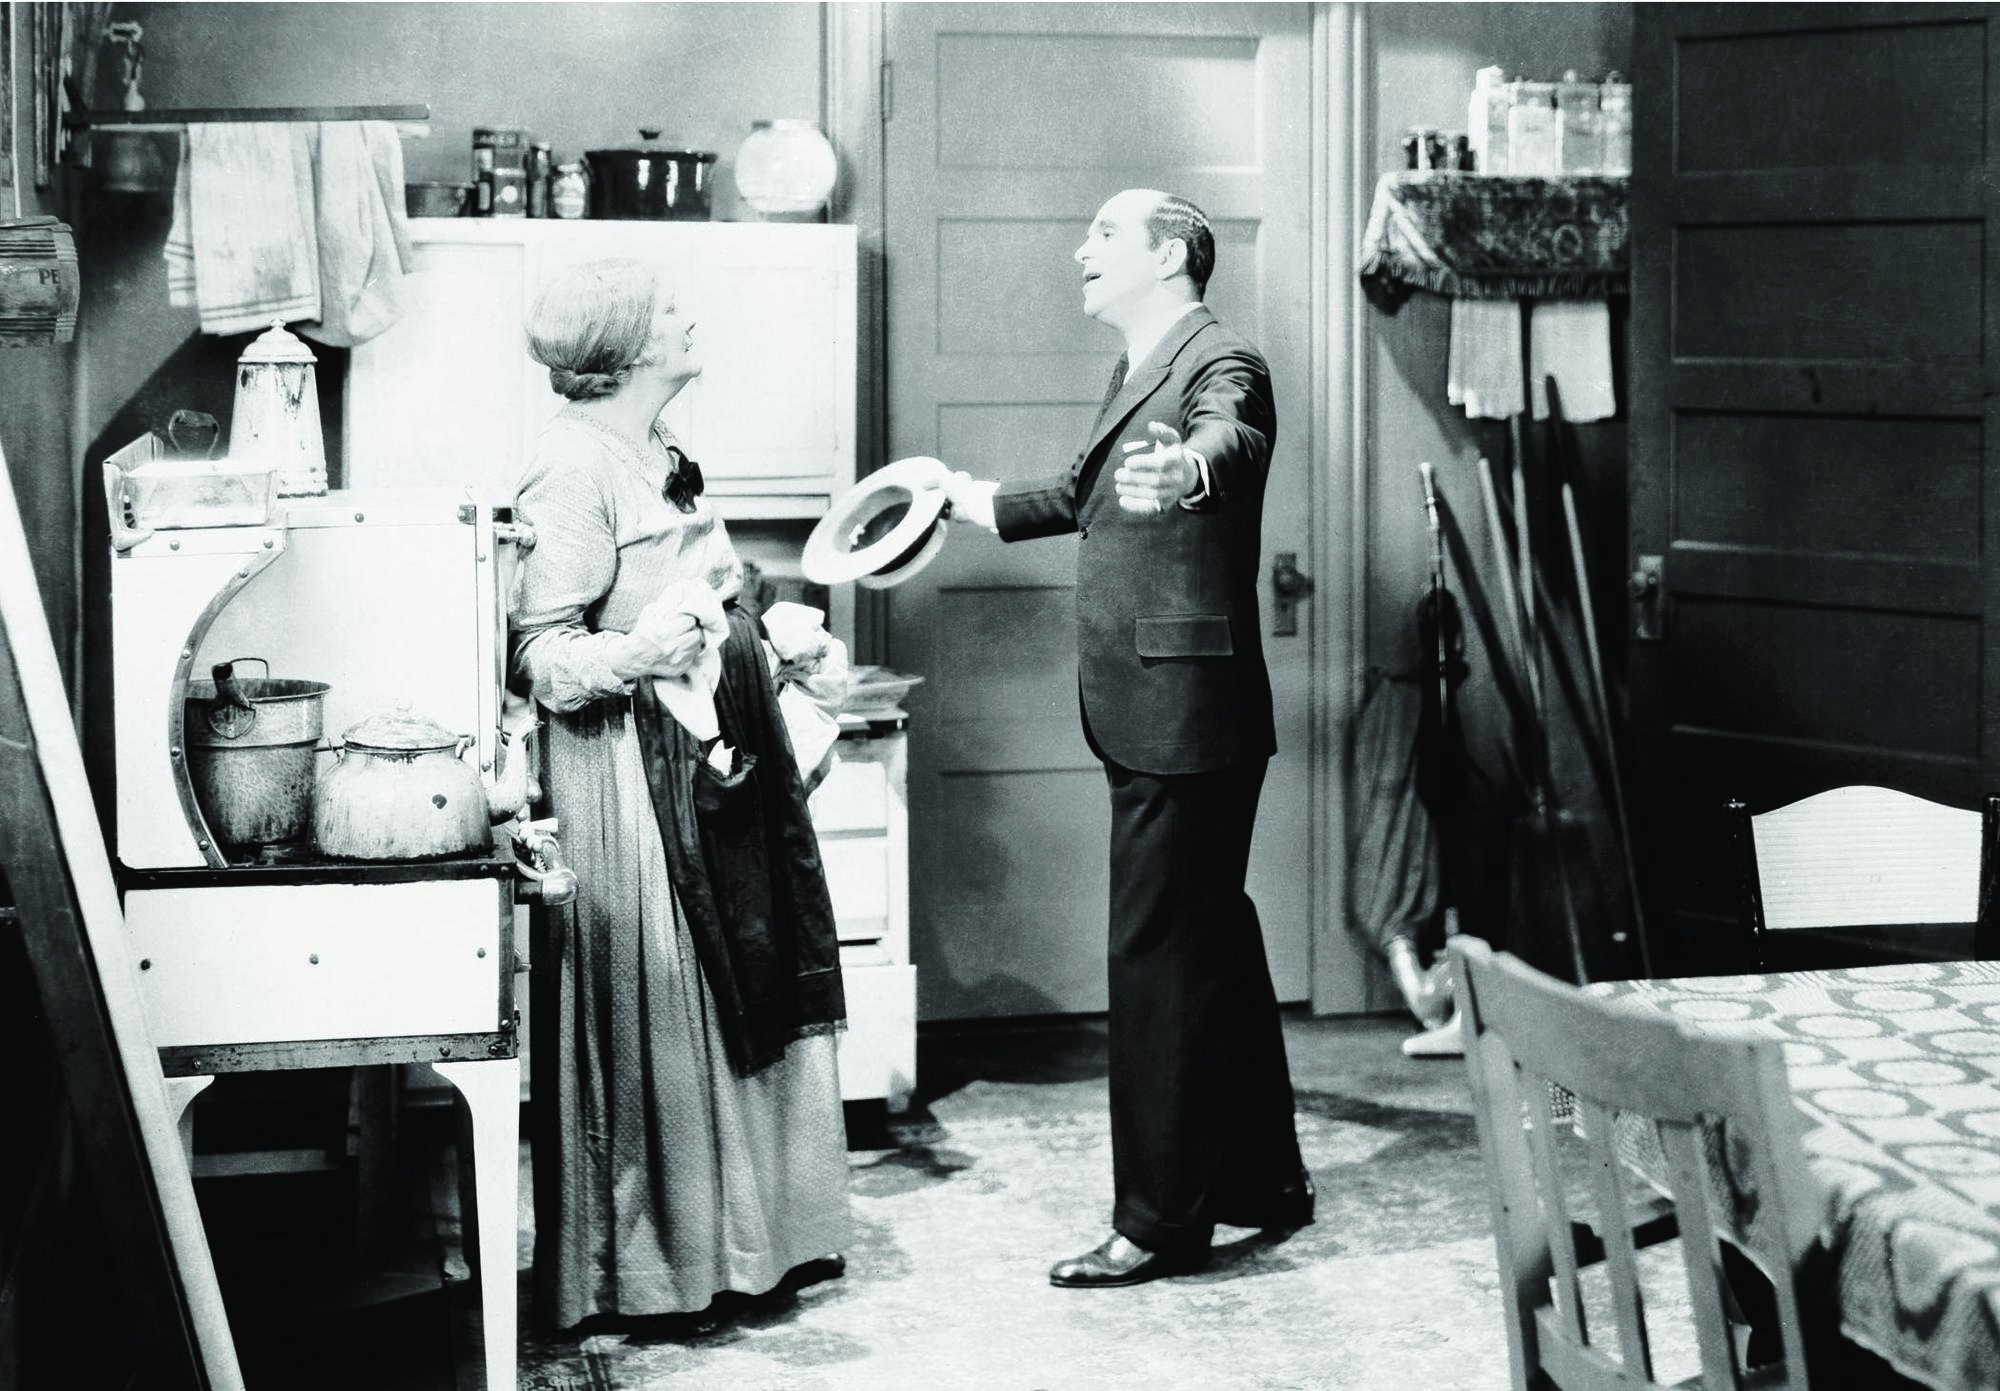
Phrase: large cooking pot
(250,744)
(400,790)
(650,181)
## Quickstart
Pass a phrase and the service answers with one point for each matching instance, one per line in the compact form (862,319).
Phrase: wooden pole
(65,886)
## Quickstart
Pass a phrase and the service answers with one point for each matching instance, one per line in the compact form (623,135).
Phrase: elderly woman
(690,1137)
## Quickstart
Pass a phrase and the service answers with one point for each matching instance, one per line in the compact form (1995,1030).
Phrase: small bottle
(1579,129)
(1614,99)
(541,166)
(1532,146)
(569,192)
(1486,120)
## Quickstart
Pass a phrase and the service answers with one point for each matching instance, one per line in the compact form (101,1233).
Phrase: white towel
(811,666)
(1570,340)
(242,250)
(364,239)
(1483,365)
(690,697)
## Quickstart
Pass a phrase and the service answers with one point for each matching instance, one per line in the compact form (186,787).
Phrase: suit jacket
(1170,659)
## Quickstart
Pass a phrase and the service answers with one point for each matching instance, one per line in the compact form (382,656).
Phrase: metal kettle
(402,790)
(276,416)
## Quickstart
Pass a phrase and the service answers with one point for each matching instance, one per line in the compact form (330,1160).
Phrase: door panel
(994,368)
(1813,361)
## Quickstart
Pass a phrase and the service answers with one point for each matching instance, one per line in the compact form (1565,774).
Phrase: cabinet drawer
(295,962)
(857,879)
(854,797)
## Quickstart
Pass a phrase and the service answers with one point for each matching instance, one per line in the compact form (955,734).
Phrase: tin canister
(499,172)
(569,192)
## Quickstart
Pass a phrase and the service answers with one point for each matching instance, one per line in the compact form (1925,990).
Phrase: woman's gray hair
(593,323)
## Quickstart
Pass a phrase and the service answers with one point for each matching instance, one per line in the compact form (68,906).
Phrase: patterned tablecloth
(1897,1071)
(1478,236)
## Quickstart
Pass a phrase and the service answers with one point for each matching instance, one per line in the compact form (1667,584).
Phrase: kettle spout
(514,788)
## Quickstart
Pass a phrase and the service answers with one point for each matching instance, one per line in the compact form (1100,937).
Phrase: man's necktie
(1117,381)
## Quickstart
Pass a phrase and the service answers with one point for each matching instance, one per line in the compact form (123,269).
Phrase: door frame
(1338,424)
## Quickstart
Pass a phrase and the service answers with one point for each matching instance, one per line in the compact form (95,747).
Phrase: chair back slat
(1702,1258)
(1716,1118)
(1864,856)
(1555,1211)
(1620,1257)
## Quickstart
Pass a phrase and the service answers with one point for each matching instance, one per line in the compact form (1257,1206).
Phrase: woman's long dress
(661,1176)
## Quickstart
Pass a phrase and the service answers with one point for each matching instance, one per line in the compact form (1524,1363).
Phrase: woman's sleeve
(572,565)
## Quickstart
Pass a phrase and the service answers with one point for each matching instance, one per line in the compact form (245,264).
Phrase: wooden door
(1007,127)
(1812,441)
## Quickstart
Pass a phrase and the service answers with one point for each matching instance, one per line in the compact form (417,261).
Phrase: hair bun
(582,386)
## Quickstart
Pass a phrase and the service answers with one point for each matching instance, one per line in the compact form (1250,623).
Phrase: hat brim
(832,555)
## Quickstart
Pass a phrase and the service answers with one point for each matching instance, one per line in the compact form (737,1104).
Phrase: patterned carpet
(963,1206)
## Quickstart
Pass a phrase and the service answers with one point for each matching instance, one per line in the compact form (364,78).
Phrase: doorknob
(1288,586)
(1647,586)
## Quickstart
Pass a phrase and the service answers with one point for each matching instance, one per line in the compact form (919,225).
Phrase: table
(1897,1072)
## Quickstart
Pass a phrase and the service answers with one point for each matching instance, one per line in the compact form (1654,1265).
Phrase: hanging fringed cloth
(1477,236)
(745,860)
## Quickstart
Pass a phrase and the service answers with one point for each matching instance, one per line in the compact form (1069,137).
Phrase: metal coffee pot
(276,416)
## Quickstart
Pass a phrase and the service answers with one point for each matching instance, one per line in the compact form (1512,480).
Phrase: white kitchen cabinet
(861,812)
(450,396)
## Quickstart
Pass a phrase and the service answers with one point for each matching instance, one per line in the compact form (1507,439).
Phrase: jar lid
(277,344)
(783,123)
(400,731)
(574,167)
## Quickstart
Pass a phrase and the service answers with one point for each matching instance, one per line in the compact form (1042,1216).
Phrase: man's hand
(1152,480)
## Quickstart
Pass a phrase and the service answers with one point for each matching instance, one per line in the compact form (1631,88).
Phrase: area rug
(961,1212)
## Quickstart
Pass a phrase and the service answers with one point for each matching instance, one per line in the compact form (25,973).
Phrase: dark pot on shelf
(650,181)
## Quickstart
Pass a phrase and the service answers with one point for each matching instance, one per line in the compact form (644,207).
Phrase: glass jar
(785,167)
(569,192)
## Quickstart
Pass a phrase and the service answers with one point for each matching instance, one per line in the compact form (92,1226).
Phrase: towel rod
(191,115)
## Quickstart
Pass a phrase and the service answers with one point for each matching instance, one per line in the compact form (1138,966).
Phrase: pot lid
(400,730)
(277,344)
(652,147)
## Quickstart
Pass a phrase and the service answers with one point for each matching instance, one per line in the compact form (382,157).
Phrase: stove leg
(181,1092)
(492,1091)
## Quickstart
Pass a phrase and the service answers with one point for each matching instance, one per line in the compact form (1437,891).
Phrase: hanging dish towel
(1570,340)
(364,240)
(1483,365)
(241,250)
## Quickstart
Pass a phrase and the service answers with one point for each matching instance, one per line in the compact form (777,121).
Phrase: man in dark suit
(1166,499)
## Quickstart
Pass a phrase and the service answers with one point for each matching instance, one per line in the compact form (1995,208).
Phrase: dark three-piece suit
(1177,704)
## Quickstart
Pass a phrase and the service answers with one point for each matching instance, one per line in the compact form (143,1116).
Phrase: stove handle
(544,877)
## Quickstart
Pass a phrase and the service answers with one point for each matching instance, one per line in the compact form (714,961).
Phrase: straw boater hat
(881,531)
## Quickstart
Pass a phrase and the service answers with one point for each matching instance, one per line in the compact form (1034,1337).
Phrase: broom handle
(1587,621)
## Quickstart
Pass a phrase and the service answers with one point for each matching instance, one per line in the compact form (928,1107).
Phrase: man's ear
(1173,258)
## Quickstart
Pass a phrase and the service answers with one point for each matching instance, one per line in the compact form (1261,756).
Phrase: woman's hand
(666,641)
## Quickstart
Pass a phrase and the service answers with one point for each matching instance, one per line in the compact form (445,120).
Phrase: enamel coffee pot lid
(277,344)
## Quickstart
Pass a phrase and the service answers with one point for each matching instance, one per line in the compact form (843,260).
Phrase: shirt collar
(1138,350)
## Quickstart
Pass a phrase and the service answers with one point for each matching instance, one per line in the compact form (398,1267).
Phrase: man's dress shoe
(1291,1209)
(1119,1261)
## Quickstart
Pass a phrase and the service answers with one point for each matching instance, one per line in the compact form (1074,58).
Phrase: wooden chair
(1863,875)
(1527,1034)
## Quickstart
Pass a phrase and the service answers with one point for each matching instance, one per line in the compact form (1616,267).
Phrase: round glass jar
(785,167)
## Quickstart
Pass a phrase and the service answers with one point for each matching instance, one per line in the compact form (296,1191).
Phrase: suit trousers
(1201,1094)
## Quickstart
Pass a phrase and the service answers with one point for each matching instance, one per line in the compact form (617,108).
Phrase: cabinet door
(773,413)
(438,399)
